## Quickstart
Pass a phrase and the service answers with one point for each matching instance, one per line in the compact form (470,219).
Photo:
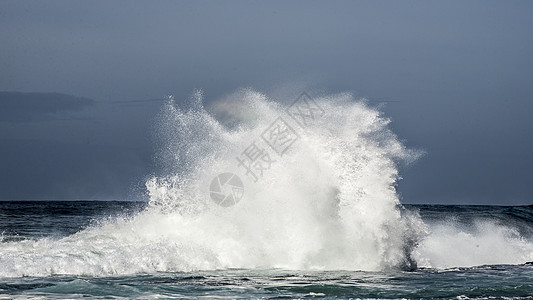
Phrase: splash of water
(329,202)
(485,242)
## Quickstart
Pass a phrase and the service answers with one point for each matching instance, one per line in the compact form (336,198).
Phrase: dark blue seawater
(28,221)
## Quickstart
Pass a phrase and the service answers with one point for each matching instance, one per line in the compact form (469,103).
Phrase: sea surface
(30,222)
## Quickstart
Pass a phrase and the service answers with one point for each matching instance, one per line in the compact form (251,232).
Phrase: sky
(455,78)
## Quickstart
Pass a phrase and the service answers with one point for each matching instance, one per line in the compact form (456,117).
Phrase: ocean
(31,266)
(258,198)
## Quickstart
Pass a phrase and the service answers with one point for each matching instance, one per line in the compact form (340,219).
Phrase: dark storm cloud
(458,74)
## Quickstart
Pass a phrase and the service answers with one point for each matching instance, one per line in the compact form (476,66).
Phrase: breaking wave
(322,196)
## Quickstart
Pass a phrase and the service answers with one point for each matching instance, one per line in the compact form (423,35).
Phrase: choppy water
(32,221)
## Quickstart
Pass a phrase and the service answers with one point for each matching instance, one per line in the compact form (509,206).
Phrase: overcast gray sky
(458,75)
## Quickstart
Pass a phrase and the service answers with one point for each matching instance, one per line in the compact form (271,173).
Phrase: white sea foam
(328,203)
(483,243)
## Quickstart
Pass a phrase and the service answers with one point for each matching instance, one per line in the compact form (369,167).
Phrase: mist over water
(476,236)
(328,203)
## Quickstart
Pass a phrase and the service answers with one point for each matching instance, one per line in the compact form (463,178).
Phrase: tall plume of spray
(328,202)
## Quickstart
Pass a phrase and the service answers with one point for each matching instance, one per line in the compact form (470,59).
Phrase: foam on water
(485,243)
(328,203)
